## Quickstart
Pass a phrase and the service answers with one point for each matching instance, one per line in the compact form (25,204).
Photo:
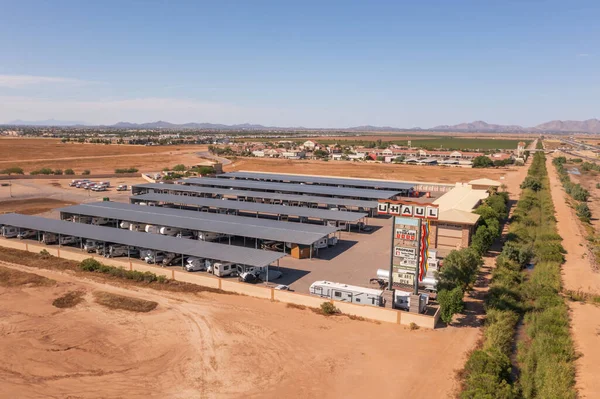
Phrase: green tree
(179,168)
(69,171)
(460,269)
(532,183)
(58,172)
(451,302)
(482,162)
(13,171)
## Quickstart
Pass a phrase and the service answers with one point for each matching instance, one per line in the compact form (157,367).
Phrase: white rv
(125,225)
(9,231)
(348,293)
(223,269)
(195,264)
(137,227)
(152,229)
(169,231)
(208,236)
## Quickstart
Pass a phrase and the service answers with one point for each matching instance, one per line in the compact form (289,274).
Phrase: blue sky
(308,63)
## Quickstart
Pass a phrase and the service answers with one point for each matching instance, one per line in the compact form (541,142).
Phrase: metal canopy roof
(202,249)
(292,188)
(261,194)
(334,181)
(323,214)
(263,229)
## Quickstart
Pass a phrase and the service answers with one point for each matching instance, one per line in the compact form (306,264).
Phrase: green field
(451,143)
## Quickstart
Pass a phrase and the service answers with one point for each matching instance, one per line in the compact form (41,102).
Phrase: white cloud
(583,55)
(18,81)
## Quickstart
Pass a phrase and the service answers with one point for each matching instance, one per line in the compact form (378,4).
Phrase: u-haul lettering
(406,210)
(394,209)
(432,212)
(419,212)
(382,208)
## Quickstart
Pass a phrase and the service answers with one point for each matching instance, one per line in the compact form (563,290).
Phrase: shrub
(58,172)
(451,302)
(532,183)
(45,254)
(583,212)
(90,265)
(12,171)
(329,308)
(179,168)
(129,170)
(69,171)
(85,172)
(579,193)
(598,185)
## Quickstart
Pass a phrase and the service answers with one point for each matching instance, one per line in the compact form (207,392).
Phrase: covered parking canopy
(320,180)
(292,199)
(201,249)
(323,215)
(230,225)
(327,191)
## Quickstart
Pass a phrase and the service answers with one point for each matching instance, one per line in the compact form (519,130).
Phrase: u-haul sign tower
(409,241)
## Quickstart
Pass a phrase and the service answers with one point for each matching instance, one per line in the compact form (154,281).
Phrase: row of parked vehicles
(87,184)
(110,250)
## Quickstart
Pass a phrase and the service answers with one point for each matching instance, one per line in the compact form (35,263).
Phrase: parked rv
(150,228)
(92,245)
(9,231)
(221,269)
(154,257)
(116,250)
(172,259)
(169,231)
(137,227)
(125,225)
(209,236)
(347,293)
(26,234)
(195,264)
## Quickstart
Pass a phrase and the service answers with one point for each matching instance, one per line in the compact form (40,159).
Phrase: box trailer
(347,293)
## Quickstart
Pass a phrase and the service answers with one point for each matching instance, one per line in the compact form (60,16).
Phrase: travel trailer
(9,231)
(347,293)
(152,229)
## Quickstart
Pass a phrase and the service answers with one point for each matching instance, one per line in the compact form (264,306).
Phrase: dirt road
(211,345)
(577,274)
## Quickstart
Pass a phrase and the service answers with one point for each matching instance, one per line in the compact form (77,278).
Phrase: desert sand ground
(211,345)
(32,154)
(578,274)
(434,174)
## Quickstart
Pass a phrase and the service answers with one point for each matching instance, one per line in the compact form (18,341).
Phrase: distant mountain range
(557,126)
(48,122)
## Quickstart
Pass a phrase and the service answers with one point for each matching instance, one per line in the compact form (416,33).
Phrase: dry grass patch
(294,306)
(69,300)
(115,301)
(17,278)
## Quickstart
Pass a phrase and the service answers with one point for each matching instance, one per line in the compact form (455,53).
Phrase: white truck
(347,293)
(9,231)
(402,301)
